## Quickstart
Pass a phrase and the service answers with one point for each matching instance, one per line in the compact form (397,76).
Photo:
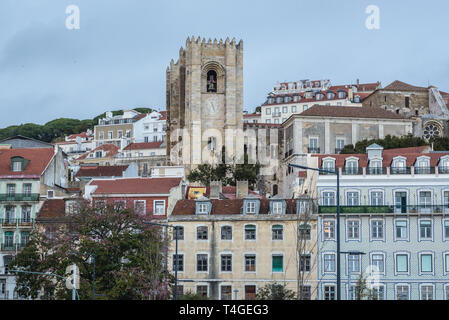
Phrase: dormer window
(341,94)
(330,95)
(443,167)
(329,164)
(277,207)
(202,208)
(399,166)
(422,165)
(18,164)
(375,167)
(319,96)
(251,207)
(352,166)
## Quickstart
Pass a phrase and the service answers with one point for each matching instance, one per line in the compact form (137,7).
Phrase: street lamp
(337,173)
(352,253)
(175,295)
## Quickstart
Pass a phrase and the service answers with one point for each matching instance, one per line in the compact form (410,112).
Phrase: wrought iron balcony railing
(423,209)
(13,222)
(19,197)
(313,150)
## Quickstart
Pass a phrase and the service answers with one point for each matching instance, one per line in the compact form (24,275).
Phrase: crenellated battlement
(214,43)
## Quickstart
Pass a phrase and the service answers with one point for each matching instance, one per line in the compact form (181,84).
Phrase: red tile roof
(52,208)
(402,86)
(101,171)
(81,135)
(144,145)
(227,207)
(350,112)
(387,158)
(251,115)
(164,115)
(136,186)
(39,158)
(111,150)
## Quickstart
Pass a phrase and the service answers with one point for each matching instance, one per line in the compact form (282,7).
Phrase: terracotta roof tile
(136,186)
(101,171)
(402,86)
(111,150)
(143,145)
(52,208)
(38,158)
(350,112)
(227,207)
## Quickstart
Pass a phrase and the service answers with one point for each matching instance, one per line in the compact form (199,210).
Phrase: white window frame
(401,253)
(144,206)
(154,208)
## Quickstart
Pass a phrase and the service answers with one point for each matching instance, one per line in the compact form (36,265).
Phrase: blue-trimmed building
(394,210)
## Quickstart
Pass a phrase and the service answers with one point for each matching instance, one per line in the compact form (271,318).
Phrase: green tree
(129,257)
(389,142)
(275,291)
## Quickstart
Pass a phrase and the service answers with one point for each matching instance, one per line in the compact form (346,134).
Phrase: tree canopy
(129,257)
(389,142)
(56,129)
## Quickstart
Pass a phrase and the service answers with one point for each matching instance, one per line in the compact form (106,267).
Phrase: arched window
(211,81)
(226,233)
(250,232)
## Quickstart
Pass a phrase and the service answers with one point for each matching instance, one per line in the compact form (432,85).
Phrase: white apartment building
(151,128)
(290,98)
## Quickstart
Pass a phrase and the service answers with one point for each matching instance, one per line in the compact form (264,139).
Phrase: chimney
(5,146)
(215,190)
(350,94)
(242,189)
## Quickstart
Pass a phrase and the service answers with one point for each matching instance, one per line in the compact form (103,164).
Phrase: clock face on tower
(212,105)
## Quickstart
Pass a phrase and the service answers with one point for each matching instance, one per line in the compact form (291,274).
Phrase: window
(139,206)
(226,292)
(201,262)
(26,214)
(293,109)
(351,167)
(250,232)
(27,189)
(17,166)
(305,262)
(110,135)
(179,233)
(426,292)
(425,201)
(284,109)
(251,207)
(329,262)
(401,229)
(328,199)
(402,292)
(353,198)
(159,207)
(446,229)
(268,111)
(98,154)
(180,262)
(10,190)
(401,263)
(353,263)
(353,229)
(426,263)
(9,214)
(377,198)
(277,207)
(202,208)
(101,135)
(377,228)
(202,290)
(201,233)
(250,262)
(119,204)
(329,229)
(329,292)
(305,292)
(425,229)
(378,261)
(379,292)
(211,143)
(340,144)
(313,145)
(226,233)
(226,263)
(305,232)
(446,263)
(277,232)
(250,292)
(277,263)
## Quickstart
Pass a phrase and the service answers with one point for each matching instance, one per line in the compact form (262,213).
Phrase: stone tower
(204,91)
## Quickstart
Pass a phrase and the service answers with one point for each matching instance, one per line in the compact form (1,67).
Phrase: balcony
(8,246)
(13,222)
(19,197)
(25,222)
(400,170)
(8,222)
(352,171)
(424,170)
(376,170)
(398,209)
(313,150)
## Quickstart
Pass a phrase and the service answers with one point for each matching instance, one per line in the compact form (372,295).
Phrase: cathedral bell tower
(205,97)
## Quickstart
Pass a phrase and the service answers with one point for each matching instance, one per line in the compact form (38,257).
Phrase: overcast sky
(118,57)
